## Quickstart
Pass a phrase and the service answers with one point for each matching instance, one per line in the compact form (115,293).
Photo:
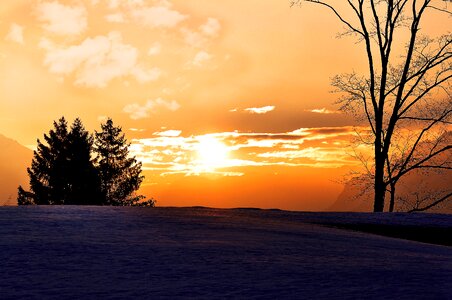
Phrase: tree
(24,197)
(62,170)
(67,170)
(405,164)
(409,92)
(120,175)
(81,173)
(48,180)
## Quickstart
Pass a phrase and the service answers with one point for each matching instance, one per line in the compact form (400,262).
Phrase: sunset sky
(226,103)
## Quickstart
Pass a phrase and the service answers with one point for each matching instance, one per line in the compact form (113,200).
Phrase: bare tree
(408,91)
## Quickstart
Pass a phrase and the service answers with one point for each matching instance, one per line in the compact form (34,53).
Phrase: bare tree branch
(432,204)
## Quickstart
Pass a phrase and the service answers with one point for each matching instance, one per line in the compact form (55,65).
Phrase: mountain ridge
(14,160)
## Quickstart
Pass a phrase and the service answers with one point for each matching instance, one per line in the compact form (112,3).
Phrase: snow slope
(167,253)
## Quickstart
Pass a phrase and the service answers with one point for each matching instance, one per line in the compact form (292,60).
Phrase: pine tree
(24,197)
(65,170)
(62,170)
(81,172)
(48,181)
(120,175)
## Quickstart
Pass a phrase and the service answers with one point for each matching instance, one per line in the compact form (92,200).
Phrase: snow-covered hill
(121,253)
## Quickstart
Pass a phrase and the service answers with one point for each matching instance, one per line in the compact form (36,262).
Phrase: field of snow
(154,253)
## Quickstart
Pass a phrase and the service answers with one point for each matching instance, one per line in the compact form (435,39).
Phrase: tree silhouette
(81,172)
(409,92)
(69,169)
(24,197)
(120,175)
(48,180)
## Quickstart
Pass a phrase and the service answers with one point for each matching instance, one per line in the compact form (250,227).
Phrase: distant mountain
(14,160)
(416,185)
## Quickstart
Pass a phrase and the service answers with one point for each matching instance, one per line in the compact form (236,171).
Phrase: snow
(61,252)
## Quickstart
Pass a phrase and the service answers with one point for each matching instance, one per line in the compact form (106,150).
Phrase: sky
(226,103)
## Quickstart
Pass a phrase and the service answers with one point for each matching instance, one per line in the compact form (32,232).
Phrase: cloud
(115,18)
(323,111)
(168,133)
(199,39)
(317,153)
(142,75)
(211,27)
(62,19)
(157,16)
(193,38)
(15,34)
(137,111)
(112,4)
(97,61)
(168,152)
(155,49)
(260,110)
(201,57)
(326,132)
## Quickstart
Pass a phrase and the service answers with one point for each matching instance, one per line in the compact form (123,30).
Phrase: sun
(211,153)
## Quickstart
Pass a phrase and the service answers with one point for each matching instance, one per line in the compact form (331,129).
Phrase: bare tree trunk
(380,190)
(392,201)
(380,187)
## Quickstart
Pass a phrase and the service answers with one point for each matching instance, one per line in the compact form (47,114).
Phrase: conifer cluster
(74,167)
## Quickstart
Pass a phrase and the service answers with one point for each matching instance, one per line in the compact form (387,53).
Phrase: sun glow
(211,154)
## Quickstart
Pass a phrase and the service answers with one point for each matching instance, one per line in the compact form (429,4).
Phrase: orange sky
(246,80)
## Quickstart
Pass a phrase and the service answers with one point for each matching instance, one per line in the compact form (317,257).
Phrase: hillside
(14,160)
(171,253)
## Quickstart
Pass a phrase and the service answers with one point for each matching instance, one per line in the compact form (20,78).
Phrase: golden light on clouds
(169,152)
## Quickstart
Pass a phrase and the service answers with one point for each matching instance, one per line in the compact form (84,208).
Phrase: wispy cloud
(260,110)
(201,57)
(137,129)
(155,49)
(201,38)
(62,19)
(168,133)
(144,75)
(137,111)
(96,61)
(15,34)
(211,27)
(323,111)
(193,38)
(115,18)
(157,16)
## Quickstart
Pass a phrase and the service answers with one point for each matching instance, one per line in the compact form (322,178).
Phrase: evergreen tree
(48,181)
(24,197)
(120,175)
(63,170)
(81,172)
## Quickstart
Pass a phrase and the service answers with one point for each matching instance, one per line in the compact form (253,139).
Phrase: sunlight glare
(211,153)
